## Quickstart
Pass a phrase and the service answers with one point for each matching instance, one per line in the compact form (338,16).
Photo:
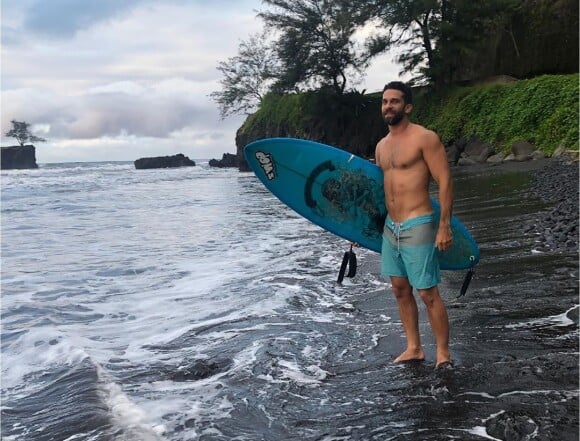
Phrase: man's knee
(429,296)
(401,287)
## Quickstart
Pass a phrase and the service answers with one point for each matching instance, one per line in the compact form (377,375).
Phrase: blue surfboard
(340,192)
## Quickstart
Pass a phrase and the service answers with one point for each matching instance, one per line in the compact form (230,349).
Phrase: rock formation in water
(178,160)
(18,157)
(228,160)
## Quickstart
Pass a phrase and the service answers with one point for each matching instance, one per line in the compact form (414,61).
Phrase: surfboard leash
(349,260)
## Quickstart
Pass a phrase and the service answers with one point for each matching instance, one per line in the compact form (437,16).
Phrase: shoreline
(503,167)
(555,182)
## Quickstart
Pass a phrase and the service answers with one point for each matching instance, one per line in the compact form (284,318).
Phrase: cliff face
(18,157)
(352,122)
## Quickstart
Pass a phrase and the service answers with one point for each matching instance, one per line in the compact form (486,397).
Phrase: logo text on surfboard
(267,164)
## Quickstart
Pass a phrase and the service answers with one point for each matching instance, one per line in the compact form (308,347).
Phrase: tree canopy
(437,35)
(313,44)
(311,47)
(20,131)
(247,77)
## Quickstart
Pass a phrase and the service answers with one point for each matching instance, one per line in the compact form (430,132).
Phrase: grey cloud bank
(118,80)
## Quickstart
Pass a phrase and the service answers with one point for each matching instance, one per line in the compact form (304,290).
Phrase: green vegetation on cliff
(542,110)
(351,121)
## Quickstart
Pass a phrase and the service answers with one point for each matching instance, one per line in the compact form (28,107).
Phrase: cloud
(124,76)
(64,18)
(122,79)
(127,108)
(123,121)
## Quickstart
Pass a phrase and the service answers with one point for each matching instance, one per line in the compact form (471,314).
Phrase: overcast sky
(116,80)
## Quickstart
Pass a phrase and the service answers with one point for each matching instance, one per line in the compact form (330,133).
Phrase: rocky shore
(557,185)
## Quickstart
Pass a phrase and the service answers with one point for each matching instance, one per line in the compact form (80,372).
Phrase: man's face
(393,107)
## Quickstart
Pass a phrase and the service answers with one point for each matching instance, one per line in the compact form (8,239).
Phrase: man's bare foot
(447,364)
(443,358)
(411,355)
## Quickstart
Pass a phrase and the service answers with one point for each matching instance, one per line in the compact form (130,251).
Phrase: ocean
(190,304)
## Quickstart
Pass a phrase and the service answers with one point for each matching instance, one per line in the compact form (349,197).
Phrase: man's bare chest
(399,156)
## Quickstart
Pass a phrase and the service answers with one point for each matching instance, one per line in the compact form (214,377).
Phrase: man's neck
(399,128)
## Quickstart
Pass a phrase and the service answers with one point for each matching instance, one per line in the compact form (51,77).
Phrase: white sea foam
(480,431)
(126,415)
(310,375)
(557,320)
(34,352)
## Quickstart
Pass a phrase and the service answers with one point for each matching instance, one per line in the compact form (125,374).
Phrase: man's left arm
(436,160)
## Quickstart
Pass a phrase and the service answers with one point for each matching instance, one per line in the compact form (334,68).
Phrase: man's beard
(395,119)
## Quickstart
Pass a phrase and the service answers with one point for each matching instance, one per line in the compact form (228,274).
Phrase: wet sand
(514,336)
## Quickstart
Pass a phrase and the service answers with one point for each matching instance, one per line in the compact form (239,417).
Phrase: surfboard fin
(349,260)
(466,282)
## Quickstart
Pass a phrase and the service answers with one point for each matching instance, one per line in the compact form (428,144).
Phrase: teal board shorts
(409,251)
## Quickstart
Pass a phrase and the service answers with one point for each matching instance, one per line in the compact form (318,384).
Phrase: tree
(315,46)
(247,76)
(436,35)
(22,134)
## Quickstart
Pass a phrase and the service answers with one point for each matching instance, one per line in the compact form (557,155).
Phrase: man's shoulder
(425,133)
(383,140)
(418,128)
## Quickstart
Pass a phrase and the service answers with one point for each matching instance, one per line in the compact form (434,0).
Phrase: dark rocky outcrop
(18,157)
(522,151)
(178,160)
(201,369)
(228,160)
(510,426)
(472,151)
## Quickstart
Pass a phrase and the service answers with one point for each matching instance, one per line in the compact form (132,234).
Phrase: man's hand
(444,238)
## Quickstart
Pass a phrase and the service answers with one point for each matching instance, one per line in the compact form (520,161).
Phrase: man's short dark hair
(399,85)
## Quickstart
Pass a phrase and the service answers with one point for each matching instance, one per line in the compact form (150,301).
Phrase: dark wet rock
(453,154)
(538,154)
(201,369)
(473,151)
(475,148)
(487,151)
(228,160)
(18,157)
(522,150)
(496,159)
(179,160)
(466,161)
(440,392)
(510,427)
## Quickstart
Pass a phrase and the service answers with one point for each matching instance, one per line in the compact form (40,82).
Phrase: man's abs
(406,194)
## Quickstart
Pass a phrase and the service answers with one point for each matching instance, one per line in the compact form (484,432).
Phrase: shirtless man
(409,156)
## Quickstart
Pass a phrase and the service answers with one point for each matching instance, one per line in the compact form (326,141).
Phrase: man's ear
(408,108)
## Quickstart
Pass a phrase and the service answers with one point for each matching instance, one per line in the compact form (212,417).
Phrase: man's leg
(409,317)
(439,321)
